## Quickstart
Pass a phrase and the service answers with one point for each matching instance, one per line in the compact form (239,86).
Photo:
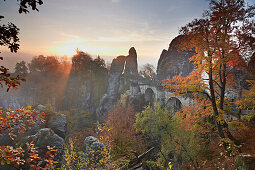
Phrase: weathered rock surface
(93,147)
(116,71)
(46,137)
(173,62)
(5,138)
(40,108)
(173,104)
(135,89)
(112,95)
(121,66)
(131,63)
(58,124)
(137,102)
(92,143)
(234,92)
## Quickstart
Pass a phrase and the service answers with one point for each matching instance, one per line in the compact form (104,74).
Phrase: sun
(65,50)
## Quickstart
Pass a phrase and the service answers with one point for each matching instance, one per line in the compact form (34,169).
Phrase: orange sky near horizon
(107,28)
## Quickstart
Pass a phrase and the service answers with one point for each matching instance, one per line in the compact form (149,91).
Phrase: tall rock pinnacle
(131,63)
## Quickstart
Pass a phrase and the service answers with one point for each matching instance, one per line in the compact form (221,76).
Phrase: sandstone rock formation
(91,143)
(173,62)
(58,124)
(47,137)
(121,66)
(137,102)
(173,104)
(40,108)
(50,133)
(131,63)
(116,71)
(112,95)
(94,151)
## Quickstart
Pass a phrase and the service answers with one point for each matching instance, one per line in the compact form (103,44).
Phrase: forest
(195,110)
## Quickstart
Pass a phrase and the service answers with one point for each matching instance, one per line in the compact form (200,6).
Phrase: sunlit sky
(100,27)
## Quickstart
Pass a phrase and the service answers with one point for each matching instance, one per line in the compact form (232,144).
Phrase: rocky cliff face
(173,62)
(112,95)
(131,63)
(122,65)
(116,71)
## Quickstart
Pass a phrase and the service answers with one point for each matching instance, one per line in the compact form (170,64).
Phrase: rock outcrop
(131,63)
(116,71)
(173,62)
(93,152)
(58,124)
(47,137)
(122,66)
(112,95)
(40,108)
(93,144)
(137,102)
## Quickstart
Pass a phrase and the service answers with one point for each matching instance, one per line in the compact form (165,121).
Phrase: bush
(119,135)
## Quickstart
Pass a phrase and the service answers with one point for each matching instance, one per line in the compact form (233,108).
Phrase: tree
(44,64)
(9,37)
(148,71)
(119,134)
(47,79)
(175,139)
(14,123)
(21,69)
(220,39)
(21,119)
(88,80)
(247,102)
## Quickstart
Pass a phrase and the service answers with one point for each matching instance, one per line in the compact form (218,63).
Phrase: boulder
(40,108)
(93,147)
(58,124)
(5,139)
(46,137)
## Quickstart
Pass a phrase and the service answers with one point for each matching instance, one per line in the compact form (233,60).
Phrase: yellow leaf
(8,161)
(28,111)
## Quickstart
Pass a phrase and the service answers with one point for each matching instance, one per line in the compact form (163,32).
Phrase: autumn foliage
(14,122)
(221,39)
(119,134)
